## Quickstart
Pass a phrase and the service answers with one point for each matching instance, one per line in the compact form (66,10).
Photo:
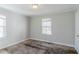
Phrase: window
(2,26)
(46,26)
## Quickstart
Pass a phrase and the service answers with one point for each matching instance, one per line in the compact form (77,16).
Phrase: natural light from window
(46,26)
(2,26)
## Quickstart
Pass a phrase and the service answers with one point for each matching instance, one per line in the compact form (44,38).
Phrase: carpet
(39,47)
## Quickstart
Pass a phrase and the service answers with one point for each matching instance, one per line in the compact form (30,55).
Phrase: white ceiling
(26,9)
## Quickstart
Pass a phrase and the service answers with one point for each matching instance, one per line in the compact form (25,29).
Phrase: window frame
(47,29)
(3,18)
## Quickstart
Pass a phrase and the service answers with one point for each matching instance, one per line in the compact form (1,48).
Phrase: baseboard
(13,43)
(53,42)
(64,44)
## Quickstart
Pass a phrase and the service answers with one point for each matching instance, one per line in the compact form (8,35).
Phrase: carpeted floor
(38,47)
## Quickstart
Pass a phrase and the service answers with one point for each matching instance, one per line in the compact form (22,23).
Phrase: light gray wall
(77,30)
(62,28)
(17,28)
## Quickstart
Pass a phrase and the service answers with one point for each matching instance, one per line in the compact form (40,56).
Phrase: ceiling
(26,9)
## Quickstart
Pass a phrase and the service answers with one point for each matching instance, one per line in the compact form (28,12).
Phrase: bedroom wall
(17,28)
(62,28)
(77,31)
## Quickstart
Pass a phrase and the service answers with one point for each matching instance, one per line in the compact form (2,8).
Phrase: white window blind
(2,26)
(46,26)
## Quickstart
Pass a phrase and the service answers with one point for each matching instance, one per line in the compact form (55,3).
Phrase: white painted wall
(62,28)
(17,28)
(77,31)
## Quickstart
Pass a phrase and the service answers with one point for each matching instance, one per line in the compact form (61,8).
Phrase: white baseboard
(64,44)
(13,43)
(53,42)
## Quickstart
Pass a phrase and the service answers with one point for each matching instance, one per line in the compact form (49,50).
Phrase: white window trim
(3,26)
(45,27)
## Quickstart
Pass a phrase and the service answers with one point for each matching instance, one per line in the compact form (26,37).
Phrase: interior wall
(77,31)
(17,28)
(62,28)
